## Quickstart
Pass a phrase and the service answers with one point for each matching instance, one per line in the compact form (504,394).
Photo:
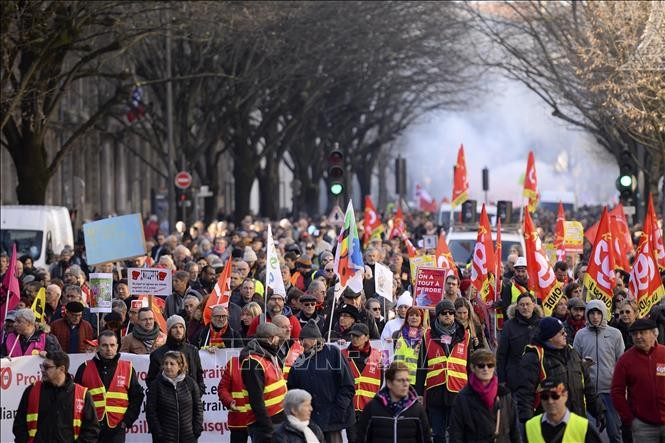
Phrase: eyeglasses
(46,367)
(220,316)
(546,396)
(447,313)
(626,312)
(485,365)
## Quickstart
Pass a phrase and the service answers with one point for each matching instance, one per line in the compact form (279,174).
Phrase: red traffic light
(335,158)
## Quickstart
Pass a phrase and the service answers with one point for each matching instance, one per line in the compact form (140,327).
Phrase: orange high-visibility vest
(540,352)
(274,386)
(113,403)
(244,416)
(368,382)
(32,416)
(449,370)
(294,352)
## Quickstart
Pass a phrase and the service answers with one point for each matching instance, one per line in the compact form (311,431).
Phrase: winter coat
(603,344)
(230,338)
(133,345)
(623,328)
(516,334)
(56,407)
(61,330)
(191,355)
(364,316)
(326,375)
(174,413)
(377,423)
(472,422)
(561,364)
(287,433)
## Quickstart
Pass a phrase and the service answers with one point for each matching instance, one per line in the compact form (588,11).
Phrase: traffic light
(336,172)
(400,176)
(627,181)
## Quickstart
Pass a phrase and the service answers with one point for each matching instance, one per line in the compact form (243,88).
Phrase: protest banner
(19,373)
(383,277)
(115,238)
(430,286)
(153,281)
(420,260)
(101,292)
(573,241)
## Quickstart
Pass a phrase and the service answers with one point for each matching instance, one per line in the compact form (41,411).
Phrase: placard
(152,281)
(101,292)
(573,238)
(420,260)
(429,241)
(115,238)
(430,286)
(383,281)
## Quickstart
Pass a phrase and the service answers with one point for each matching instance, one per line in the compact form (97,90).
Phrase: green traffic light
(626,181)
(336,188)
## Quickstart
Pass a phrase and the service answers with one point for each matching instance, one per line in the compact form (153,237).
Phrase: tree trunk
(269,189)
(244,173)
(31,172)
(364,176)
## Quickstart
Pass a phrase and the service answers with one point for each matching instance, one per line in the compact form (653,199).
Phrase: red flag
(656,235)
(444,259)
(460,181)
(425,201)
(412,251)
(645,283)
(399,227)
(541,275)
(619,217)
(10,293)
(483,263)
(559,234)
(372,226)
(600,279)
(221,294)
(620,253)
(157,305)
(498,251)
(531,182)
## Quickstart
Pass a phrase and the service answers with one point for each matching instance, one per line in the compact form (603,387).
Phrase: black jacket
(377,424)
(365,317)
(286,433)
(516,334)
(230,338)
(253,377)
(55,424)
(174,413)
(191,354)
(106,369)
(561,364)
(471,421)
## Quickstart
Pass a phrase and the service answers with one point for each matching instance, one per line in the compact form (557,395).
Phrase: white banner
(149,281)
(17,374)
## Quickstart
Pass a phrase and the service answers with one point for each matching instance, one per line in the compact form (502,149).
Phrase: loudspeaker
(469,209)
(504,210)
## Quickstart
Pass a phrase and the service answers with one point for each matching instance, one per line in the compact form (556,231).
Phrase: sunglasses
(485,365)
(376,309)
(309,303)
(447,313)
(546,396)
(328,270)
(625,312)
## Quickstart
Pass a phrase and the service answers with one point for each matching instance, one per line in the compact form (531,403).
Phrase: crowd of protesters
(458,375)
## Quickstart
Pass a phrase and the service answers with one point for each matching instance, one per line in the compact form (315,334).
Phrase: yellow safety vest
(575,429)
(409,355)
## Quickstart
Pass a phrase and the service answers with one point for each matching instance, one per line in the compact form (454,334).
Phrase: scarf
(445,330)
(364,350)
(303,426)
(174,381)
(576,324)
(486,392)
(216,336)
(147,337)
(412,336)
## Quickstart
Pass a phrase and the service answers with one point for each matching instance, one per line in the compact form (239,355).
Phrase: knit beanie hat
(444,305)
(174,320)
(549,327)
(310,330)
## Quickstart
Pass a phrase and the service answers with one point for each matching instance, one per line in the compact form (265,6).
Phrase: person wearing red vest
(366,367)
(264,382)
(288,350)
(55,409)
(447,349)
(233,395)
(114,387)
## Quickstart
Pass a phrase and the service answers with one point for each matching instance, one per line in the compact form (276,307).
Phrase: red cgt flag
(531,182)
(483,263)
(372,226)
(221,294)
(460,180)
(559,234)
(541,274)
(600,278)
(645,283)
(656,235)
(620,248)
(444,259)
(399,227)
(498,251)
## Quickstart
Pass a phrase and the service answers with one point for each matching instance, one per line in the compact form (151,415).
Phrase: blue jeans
(612,419)
(439,418)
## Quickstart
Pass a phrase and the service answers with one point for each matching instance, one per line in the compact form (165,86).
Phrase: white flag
(383,277)
(273,273)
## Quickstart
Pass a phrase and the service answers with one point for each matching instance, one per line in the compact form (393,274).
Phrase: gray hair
(189,297)
(76,270)
(74,288)
(219,308)
(26,314)
(55,288)
(119,304)
(294,398)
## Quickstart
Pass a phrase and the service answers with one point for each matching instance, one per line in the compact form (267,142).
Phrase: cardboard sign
(420,260)
(573,239)
(430,286)
(383,279)
(153,281)
(101,292)
(429,241)
(115,238)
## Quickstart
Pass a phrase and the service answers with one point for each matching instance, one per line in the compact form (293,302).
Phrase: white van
(39,231)
(462,240)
